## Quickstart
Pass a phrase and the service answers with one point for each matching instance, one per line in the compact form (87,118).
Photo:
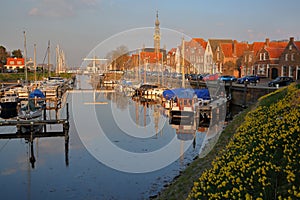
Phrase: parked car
(227,78)
(281,81)
(211,77)
(249,79)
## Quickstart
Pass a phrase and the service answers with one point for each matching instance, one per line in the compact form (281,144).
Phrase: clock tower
(156,35)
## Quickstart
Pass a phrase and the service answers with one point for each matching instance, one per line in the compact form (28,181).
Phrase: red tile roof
(277,44)
(256,46)
(240,48)
(297,43)
(274,53)
(151,57)
(227,49)
(202,42)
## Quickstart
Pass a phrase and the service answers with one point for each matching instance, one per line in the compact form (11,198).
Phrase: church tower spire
(157,35)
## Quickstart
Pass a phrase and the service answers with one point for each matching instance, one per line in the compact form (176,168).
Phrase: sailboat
(33,110)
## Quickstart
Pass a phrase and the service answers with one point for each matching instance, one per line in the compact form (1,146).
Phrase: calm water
(88,168)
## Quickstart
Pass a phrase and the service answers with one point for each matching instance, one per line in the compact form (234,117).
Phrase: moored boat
(32,111)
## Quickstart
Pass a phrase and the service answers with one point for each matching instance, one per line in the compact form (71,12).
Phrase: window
(284,71)
(290,47)
(286,57)
(250,58)
(293,57)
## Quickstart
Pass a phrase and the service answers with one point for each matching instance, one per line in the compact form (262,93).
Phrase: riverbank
(181,186)
(15,77)
(217,177)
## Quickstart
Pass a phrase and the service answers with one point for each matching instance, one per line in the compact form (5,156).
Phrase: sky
(78,26)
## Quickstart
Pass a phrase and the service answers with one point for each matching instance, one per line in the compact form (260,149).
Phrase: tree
(17,54)
(117,57)
(3,55)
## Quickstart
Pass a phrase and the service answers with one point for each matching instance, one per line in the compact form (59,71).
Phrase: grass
(14,77)
(181,186)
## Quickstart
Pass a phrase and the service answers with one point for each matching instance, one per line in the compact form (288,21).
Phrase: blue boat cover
(186,93)
(202,93)
(36,93)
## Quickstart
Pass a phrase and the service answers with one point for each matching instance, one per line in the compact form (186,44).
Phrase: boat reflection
(30,138)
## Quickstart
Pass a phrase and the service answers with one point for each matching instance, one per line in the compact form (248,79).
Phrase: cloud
(60,8)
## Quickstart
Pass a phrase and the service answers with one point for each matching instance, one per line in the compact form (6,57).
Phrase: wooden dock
(31,123)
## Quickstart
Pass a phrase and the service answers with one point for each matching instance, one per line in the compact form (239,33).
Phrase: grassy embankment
(14,77)
(256,157)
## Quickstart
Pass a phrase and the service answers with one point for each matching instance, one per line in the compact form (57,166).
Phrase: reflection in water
(29,139)
(86,178)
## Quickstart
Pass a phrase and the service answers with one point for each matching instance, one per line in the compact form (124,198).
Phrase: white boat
(154,93)
(10,100)
(32,111)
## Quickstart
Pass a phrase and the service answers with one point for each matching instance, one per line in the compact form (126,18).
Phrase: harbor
(150,131)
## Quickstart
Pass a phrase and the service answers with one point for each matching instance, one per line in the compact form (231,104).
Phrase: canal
(118,148)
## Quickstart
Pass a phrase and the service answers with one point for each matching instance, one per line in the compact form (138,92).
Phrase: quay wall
(244,95)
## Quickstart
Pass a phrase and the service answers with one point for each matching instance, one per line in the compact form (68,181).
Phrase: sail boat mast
(49,71)
(25,57)
(34,62)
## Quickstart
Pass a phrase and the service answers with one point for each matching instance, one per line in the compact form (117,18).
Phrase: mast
(49,71)
(34,62)
(183,74)
(25,57)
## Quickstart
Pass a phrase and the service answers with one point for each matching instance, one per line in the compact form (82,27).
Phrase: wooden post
(67,110)
(45,126)
(245,95)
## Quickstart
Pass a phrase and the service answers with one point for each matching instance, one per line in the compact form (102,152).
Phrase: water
(72,170)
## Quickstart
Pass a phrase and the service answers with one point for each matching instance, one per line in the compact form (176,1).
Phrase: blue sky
(80,25)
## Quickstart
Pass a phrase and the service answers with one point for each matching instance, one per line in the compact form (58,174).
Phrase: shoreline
(181,185)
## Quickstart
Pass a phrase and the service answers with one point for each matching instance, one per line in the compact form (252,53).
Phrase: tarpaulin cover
(186,93)
(36,93)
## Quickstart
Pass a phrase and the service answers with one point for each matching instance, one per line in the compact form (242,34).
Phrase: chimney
(291,39)
(267,43)
(234,47)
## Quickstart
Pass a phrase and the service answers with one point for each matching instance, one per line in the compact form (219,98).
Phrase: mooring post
(45,117)
(67,107)
(245,94)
